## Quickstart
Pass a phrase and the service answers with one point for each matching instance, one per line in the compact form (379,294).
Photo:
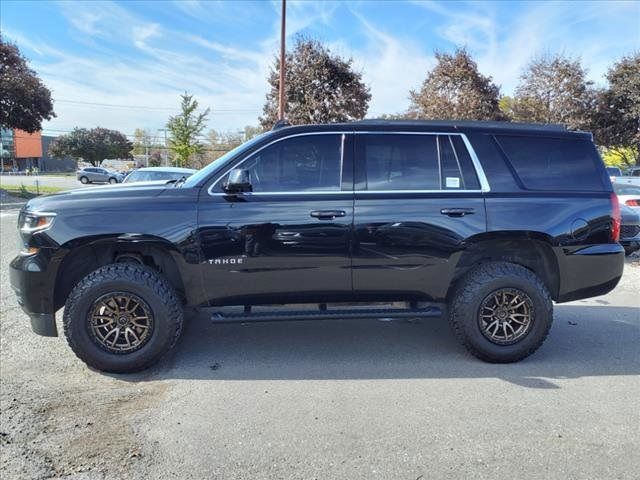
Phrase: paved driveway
(333,399)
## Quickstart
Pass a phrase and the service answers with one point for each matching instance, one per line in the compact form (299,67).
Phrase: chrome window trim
(336,132)
(439,163)
(484,183)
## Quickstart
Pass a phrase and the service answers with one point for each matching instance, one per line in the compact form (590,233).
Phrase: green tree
(320,87)
(554,89)
(142,140)
(24,100)
(185,130)
(455,89)
(616,121)
(92,145)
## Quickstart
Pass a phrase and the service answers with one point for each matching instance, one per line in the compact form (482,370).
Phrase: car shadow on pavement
(584,341)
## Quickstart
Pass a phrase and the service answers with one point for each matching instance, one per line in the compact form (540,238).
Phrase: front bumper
(32,278)
(589,271)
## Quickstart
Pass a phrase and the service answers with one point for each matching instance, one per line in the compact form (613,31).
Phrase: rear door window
(396,162)
(544,163)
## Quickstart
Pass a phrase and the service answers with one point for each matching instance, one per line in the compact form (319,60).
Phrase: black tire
(481,283)
(113,180)
(630,250)
(140,281)
(84,180)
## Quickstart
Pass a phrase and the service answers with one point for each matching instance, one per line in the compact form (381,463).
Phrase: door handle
(327,214)
(457,212)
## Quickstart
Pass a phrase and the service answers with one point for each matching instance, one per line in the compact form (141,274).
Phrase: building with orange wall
(27,145)
(21,151)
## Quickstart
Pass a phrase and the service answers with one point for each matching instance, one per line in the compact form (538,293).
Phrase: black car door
(418,201)
(289,238)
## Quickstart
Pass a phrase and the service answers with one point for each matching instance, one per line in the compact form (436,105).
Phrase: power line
(150,108)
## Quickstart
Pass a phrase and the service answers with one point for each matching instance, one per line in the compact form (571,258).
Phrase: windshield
(204,173)
(152,175)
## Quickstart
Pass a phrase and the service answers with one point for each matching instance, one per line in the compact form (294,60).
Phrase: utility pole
(165,150)
(282,63)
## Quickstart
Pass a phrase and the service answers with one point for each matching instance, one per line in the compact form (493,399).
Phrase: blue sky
(122,65)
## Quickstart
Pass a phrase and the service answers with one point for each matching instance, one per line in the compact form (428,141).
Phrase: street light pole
(282,63)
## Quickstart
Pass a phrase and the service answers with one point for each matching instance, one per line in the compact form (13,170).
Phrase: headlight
(30,222)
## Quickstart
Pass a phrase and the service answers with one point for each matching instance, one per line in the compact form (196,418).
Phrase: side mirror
(238,181)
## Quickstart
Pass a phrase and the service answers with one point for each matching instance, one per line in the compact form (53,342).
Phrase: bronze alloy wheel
(120,322)
(506,316)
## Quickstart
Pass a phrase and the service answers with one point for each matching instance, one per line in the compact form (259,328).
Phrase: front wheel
(113,180)
(84,180)
(122,318)
(501,312)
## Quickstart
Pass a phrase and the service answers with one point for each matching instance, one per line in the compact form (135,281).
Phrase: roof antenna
(281,124)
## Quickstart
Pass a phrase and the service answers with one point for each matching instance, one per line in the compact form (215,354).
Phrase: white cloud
(503,45)
(391,66)
(134,62)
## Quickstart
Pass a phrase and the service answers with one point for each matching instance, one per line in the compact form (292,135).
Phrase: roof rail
(467,123)
(280,124)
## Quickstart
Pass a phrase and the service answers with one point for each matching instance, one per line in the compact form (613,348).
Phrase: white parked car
(628,195)
(154,174)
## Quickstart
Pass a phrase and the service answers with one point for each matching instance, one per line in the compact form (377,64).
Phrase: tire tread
(117,272)
(466,292)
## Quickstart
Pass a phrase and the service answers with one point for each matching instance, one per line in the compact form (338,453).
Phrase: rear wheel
(122,318)
(84,180)
(501,312)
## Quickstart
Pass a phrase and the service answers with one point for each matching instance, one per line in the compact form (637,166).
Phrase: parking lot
(333,399)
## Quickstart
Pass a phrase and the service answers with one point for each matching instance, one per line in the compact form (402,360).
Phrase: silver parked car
(98,175)
(152,174)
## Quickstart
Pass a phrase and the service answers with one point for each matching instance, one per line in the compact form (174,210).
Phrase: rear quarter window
(544,163)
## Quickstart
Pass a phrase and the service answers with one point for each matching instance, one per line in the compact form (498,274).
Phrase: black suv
(398,219)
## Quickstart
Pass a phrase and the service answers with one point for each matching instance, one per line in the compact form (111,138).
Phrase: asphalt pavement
(328,399)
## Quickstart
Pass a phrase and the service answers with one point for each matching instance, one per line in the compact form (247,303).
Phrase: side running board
(338,314)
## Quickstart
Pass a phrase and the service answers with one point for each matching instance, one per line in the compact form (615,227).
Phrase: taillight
(633,203)
(615,218)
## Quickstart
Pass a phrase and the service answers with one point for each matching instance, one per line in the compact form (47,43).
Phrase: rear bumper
(589,271)
(32,279)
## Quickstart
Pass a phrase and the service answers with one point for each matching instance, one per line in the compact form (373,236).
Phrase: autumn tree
(616,121)
(92,145)
(455,89)
(24,100)
(251,131)
(185,130)
(554,89)
(320,87)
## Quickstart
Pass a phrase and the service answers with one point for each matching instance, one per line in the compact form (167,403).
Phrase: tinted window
(297,164)
(471,181)
(553,163)
(417,162)
(400,162)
